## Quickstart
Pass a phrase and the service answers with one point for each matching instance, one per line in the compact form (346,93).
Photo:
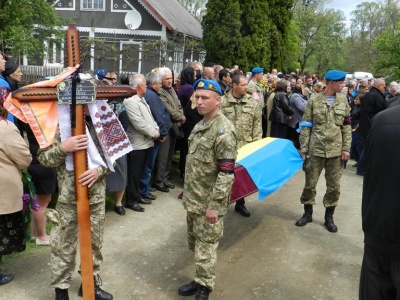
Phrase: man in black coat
(372,103)
(380,209)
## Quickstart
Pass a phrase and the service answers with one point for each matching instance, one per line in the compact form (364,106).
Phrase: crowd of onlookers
(159,121)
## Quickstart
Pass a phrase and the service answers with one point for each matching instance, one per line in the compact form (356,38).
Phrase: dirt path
(261,257)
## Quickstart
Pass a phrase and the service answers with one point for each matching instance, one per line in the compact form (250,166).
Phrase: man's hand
(162,139)
(212,216)
(345,155)
(89,177)
(75,143)
(304,156)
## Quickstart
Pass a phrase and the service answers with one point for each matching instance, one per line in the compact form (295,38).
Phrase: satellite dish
(133,19)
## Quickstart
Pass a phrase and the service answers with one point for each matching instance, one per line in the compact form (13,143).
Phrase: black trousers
(380,276)
(136,163)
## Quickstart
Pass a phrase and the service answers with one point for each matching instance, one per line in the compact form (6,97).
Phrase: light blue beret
(335,75)
(257,70)
(205,84)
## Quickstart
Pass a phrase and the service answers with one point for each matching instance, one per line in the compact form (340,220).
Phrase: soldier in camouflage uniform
(64,232)
(208,181)
(244,112)
(325,141)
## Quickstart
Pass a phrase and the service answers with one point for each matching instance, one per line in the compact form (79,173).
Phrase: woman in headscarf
(14,158)
(44,179)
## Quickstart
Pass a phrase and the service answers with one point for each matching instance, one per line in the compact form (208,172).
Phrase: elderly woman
(281,111)
(14,157)
(44,179)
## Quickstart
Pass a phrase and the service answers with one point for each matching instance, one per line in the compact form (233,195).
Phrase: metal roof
(174,16)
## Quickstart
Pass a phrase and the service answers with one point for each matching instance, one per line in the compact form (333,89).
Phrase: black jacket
(381,190)
(372,103)
(281,109)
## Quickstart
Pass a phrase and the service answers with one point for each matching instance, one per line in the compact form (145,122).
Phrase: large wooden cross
(80,157)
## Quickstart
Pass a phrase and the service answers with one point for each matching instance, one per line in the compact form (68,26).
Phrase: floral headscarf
(3,96)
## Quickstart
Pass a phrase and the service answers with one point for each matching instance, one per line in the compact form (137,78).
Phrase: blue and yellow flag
(270,162)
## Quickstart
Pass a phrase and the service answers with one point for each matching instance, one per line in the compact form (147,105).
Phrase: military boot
(99,294)
(62,294)
(329,224)
(202,293)
(307,216)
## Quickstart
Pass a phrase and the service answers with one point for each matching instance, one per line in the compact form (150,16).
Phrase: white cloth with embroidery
(109,130)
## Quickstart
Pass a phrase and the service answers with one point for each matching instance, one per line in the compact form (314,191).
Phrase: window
(93,4)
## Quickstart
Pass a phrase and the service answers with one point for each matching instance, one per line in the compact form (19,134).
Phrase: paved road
(261,257)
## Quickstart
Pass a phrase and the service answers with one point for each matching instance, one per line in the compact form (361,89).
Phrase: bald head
(380,84)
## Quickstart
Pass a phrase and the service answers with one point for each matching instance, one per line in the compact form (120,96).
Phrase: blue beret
(205,84)
(335,75)
(257,70)
(100,73)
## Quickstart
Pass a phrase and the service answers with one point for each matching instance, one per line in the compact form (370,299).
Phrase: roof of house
(174,16)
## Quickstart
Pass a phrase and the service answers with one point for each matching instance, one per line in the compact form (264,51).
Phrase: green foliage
(388,48)
(25,24)
(321,34)
(195,7)
(247,32)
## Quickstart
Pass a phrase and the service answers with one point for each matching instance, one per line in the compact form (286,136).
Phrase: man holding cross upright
(81,175)
(64,234)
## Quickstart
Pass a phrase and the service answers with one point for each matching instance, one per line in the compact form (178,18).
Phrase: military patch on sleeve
(221,135)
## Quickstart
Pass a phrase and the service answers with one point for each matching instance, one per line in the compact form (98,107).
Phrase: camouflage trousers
(333,172)
(64,241)
(203,239)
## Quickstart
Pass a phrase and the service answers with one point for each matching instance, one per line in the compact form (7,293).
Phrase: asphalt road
(261,257)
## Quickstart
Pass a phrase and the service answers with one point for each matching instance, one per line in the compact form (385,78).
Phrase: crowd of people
(205,113)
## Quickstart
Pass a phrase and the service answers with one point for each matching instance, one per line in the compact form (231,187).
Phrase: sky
(347,6)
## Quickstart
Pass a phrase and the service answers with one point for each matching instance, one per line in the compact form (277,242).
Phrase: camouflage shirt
(210,166)
(254,87)
(55,156)
(245,114)
(331,132)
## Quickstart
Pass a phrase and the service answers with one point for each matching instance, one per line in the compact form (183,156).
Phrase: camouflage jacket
(55,156)
(245,114)
(308,92)
(209,166)
(331,133)
(254,87)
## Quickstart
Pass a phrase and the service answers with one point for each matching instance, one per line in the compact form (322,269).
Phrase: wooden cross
(80,157)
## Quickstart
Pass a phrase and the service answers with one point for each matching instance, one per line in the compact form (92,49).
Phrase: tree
(321,34)
(246,32)
(26,24)
(221,31)
(387,46)
(195,7)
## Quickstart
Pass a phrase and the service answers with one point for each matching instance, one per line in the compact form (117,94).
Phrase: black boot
(62,294)
(202,293)
(241,209)
(6,278)
(188,289)
(329,224)
(307,216)
(99,294)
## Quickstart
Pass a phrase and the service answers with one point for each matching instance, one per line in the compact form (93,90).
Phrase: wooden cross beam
(80,157)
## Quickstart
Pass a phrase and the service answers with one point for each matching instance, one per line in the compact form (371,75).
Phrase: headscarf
(3,96)
(187,76)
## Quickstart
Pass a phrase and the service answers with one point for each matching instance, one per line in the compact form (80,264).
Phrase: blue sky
(347,6)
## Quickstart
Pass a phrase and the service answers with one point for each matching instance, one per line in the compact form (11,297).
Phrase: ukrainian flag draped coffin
(270,162)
